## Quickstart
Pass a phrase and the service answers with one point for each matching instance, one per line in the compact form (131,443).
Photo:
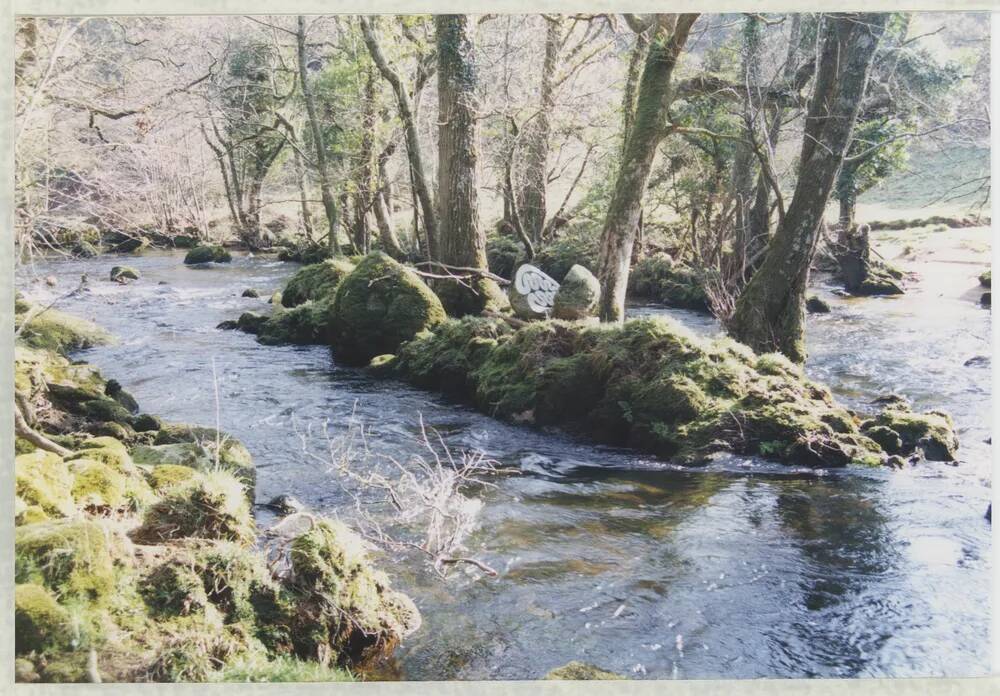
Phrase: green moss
(40,624)
(649,384)
(212,506)
(196,650)
(232,455)
(344,607)
(114,456)
(986,278)
(207,254)
(105,409)
(31,515)
(43,479)
(575,671)
(380,305)
(164,477)
(50,329)
(308,323)
(315,282)
(174,589)
(96,485)
(22,446)
(73,558)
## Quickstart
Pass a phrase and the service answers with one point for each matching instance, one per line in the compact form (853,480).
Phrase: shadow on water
(738,569)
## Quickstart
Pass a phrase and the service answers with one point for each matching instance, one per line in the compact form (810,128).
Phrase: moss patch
(39,622)
(96,486)
(212,506)
(901,431)
(73,558)
(43,479)
(50,329)
(576,670)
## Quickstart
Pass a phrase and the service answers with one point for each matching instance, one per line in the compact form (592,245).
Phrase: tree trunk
(300,173)
(770,313)
(745,160)
(322,166)
(461,242)
(648,129)
(421,187)
(533,200)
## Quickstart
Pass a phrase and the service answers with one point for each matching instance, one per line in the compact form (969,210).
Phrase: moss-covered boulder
(211,506)
(900,431)
(43,479)
(123,274)
(316,281)
(986,278)
(578,671)
(649,384)
(207,254)
(344,607)
(40,624)
(164,477)
(215,447)
(578,295)
(73,558)
(658,278)
(309,323)
(50,329)
(378,306)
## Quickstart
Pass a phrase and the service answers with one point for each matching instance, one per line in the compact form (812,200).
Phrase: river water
(738,569)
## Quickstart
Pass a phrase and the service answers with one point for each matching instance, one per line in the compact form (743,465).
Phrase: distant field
(934,181)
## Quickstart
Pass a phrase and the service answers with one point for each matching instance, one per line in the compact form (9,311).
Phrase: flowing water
(738,569)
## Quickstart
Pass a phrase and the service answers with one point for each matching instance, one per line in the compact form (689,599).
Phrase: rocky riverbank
(137,557)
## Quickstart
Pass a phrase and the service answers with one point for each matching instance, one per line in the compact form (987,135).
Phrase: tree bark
(421,186)
(533,198)
(648,129)
(770,313)
(322,165)
(461,242)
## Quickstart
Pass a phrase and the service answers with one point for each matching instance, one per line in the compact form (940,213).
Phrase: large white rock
(532,293)
(578,295)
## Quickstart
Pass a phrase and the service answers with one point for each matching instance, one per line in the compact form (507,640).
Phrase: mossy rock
(85,250)
(378,306)
(123,274)
(174,589)
(24,671)
(233,456)
(315,281)
(578,295)
(207,254)
(73,558)
(986,278)
(901,431)
(575,671)
(649,384)
(503,255)
(344,606)
(817,305)
(146,423)
(43,479)
(109,451)
(97,486)
(40,624)
(105,410)
(53,330)
(309,323)
(114,389)
(211,506)
(165,477)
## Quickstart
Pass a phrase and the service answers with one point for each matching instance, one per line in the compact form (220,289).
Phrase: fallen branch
(25,431)
(475,272)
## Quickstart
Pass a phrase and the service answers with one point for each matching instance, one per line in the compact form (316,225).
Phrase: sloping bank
(136,553)
(648,384)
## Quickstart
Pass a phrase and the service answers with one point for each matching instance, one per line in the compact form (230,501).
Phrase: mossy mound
(213,446)
(316,281)
(308,323)
(207,254)
(575,671)
(344,607)
(378,306)
(211,506)
(659,279)
(39,622)
(43,479)
(648,384)
(900,431)
(73,558)
(50,329)
(164,477)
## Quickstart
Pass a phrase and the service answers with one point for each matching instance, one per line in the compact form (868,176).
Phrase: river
(738,569)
